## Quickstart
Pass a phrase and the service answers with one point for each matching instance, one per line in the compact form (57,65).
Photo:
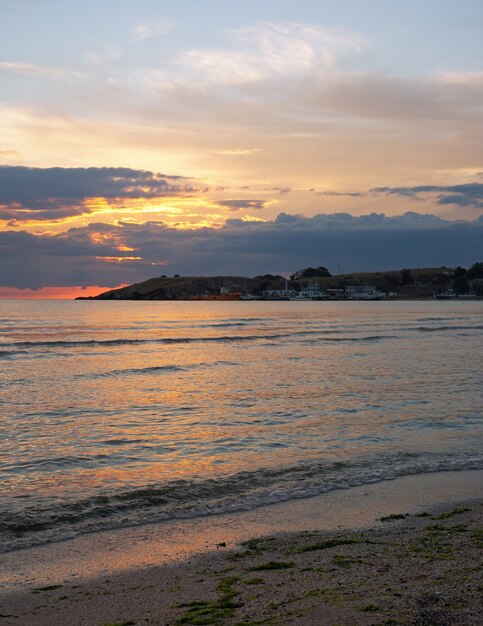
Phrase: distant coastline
(405,284)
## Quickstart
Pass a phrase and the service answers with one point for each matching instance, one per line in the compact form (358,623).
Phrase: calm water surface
(122,413)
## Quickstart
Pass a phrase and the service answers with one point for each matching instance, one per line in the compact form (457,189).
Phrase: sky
(140,138)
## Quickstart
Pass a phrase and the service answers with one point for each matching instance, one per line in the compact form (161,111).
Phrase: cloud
(236,151)
(351,194)
(31,69)
(109,55)
(465,195)
(278,104)
(143,30)
(297,68)
(24,68)
(56,192)
(9,153)
(236,205)
(273,49)
(396,98)
(461,78)
(126,252)
(289,97)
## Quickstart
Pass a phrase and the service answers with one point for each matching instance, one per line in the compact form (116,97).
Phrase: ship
(312,292)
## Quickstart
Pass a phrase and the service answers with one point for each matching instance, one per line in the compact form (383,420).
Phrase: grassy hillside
(178,288)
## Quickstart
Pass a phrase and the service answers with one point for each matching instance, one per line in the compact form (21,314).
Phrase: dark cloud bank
(370,242)
(57,192)
(466,195)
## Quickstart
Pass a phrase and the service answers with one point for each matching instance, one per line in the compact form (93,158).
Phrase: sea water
(116,414)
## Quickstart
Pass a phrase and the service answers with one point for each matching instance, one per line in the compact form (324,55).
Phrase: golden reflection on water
(104,398)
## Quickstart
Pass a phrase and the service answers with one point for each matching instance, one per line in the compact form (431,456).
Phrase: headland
(311,284)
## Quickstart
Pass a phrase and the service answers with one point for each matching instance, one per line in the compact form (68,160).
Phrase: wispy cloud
(236,151)
(109,54)
(460,78)
(145,30)
(31,69)
(273,49)
(9,153)
(351,194)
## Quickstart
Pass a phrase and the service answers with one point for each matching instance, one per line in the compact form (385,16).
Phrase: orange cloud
(118,259)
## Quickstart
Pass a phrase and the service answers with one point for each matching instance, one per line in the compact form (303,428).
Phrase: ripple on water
(123,414)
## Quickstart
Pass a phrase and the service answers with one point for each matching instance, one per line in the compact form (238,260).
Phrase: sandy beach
(403,552)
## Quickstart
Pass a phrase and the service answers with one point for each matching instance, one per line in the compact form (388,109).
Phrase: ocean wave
(50,520)
(7,354)
(82,343)
(133,371)
(370,338)
(60,463)
(431,329)
(236,322)
(438,319)
(12,348)
(62,343)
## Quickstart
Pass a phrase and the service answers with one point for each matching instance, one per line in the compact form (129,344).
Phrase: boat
(218,296)
(312,292)
(225,294)
(249,296)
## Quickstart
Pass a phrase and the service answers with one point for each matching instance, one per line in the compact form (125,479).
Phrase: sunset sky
(141,138)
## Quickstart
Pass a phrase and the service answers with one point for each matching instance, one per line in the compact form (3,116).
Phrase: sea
(117,414)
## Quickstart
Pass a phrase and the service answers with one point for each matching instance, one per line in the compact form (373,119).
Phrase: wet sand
(336,563)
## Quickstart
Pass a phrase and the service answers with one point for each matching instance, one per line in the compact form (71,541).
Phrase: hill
(402,284)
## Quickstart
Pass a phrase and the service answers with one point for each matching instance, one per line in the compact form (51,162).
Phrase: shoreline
(138,560)
(197,300)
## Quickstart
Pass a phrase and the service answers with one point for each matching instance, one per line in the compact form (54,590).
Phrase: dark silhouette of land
(407,283)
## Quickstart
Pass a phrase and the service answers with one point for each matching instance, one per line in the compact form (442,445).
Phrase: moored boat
(225,294)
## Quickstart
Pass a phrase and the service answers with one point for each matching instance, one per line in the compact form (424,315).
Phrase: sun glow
(184,211)
(118,259)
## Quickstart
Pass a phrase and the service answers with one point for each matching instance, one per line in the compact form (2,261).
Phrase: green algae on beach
(418,571)
(271,565)
(212,612)
(330,543)
(47,588)
(457,511)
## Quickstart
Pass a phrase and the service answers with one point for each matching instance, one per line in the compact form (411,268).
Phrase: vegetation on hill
(311,272)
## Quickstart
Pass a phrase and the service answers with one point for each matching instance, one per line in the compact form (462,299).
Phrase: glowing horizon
(53,293)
